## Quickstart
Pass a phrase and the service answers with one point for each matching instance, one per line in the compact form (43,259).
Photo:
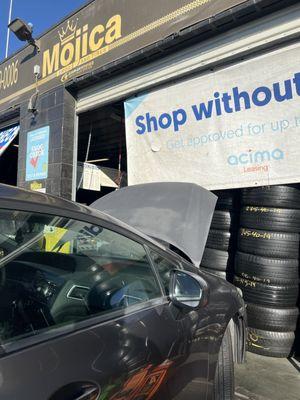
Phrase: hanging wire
(86,154)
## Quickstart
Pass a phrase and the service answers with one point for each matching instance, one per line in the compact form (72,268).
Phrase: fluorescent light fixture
(99,160)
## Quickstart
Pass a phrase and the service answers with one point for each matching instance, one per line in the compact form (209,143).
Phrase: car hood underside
(176,213)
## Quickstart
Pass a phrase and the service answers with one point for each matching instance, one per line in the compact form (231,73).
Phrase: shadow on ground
(266,378)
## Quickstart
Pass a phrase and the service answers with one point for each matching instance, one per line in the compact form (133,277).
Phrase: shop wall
(55,112)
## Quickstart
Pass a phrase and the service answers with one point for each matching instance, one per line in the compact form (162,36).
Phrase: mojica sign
(100,33)
(221,130)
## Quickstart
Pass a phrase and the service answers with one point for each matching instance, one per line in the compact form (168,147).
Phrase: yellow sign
(76,44)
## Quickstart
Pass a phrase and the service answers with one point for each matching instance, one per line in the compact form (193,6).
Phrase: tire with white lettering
(273,219)
(217,259)
(268,343)
(274,271)
(268,295)
(220,240)
(272,319)
(224,220)
(268,243)
(228,200)
(283,196)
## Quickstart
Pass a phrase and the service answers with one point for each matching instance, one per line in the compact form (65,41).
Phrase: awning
(7,136)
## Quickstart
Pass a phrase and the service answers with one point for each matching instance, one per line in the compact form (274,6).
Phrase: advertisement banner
(7,136)
(37,154)
(237,126)
(100,33)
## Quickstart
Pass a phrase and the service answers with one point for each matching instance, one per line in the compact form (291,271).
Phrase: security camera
(37,70)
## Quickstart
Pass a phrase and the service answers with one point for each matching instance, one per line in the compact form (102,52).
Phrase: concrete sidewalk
(266,378)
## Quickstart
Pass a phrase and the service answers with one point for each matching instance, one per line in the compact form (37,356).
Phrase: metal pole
(8,31)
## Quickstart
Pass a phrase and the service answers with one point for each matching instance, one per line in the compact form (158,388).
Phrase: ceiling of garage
(105,129)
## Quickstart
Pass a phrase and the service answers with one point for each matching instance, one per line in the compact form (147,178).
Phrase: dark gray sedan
(92,309)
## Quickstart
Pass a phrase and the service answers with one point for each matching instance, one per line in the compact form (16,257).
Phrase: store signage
(221,130)
(37,154)
(7,136)
(37,187)
(100,33)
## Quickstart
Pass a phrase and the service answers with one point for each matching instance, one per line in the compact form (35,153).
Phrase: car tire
(220,274)
(216,259)
(269,244)
(224,376)
(274,271)
(268,295)
(273,219)
(224,220)
(219,240)
(268,343)
(272,319)
(283,196)
(228,200)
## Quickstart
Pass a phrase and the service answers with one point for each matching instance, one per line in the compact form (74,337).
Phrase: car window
(56,271)
(164,268)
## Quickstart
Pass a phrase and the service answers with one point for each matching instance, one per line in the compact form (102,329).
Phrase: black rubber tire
(271,344)
(228,200)
(220,240)
(217,259)
(224,220)
(220,274)
(274,271)
(272,319)
(285,196)
(268,295)
(224,375)
(269,244)
(271,219)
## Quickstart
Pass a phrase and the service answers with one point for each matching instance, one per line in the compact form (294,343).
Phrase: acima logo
(255,157)
(75,43)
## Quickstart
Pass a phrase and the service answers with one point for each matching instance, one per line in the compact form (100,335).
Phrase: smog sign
(37,154)
(98,34)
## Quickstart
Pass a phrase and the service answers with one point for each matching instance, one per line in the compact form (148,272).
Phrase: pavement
(260,378)
(267,378)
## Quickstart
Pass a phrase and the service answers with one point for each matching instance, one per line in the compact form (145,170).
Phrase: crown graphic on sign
(68,33)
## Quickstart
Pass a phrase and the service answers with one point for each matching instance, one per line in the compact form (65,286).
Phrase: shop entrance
(102,163)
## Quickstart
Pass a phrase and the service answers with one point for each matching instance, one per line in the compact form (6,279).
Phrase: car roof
(27,196)
(43,201)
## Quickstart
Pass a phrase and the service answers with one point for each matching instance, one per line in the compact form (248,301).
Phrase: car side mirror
(188,290)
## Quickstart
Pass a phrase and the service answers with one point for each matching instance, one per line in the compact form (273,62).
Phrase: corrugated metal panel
(233,45)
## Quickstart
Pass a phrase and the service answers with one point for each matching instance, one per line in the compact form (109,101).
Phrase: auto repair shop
(189,90)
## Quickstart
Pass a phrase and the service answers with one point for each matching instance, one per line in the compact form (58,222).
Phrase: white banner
(234,127)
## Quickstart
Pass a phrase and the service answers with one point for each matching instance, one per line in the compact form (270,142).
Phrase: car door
(82,313)
(191,379)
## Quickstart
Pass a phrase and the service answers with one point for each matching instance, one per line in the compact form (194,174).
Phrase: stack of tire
(218,257)
(267,267)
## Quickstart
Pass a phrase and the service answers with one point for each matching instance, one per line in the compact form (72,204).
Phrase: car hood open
(176,213)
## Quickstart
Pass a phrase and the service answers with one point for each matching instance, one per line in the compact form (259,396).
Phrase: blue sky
(41,13)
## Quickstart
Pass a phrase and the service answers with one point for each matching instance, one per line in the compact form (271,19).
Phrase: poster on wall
(37,154)
(236,126)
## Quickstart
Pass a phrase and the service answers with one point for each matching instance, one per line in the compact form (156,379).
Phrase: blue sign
(6,137)
(37,154)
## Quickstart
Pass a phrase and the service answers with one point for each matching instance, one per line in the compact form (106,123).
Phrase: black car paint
(154,352)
